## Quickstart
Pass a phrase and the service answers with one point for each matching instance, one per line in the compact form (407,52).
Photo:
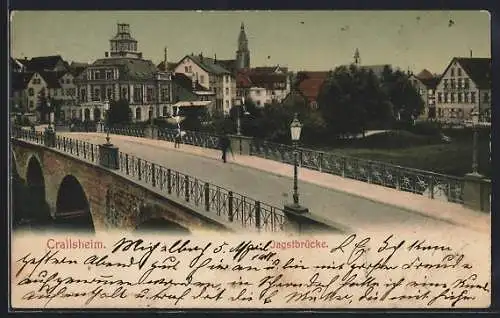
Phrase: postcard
(250,159)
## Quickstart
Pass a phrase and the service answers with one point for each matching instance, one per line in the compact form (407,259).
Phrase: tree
(119,112)
(405,99)
(350,100)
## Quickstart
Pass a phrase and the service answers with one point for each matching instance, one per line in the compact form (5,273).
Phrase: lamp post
(295,130)
(106,113)
(240,104)
(475,124)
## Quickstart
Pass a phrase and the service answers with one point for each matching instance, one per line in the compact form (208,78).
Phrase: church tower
(357,58)
(123,44)
(243,54)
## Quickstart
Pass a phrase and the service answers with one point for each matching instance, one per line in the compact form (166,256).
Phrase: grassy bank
(422,152)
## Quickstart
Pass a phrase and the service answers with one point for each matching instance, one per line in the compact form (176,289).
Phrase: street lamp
(475,124)
(295,130)
(238,120)
(106,109)
(51,115)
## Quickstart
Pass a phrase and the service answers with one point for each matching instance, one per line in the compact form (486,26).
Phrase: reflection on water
(31,212)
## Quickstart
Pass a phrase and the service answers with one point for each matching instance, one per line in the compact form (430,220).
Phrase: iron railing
(229,205)
(194,138)
(127,131)
(430,184)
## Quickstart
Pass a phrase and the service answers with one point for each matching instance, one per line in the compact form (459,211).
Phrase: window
(83,95)
(138,113)
(138,94)
(473,97)
(62,91)
(459,83)
(227,91)
(445,83)
(109,75)
(459,97)
(31,91)
(314,105)
(165,94)
(149,94)
(258,103)
(452,97)
(190,69)
(186,69)
(452,83)
(459,72)
(96,95)
(124,93)
(202,79)
(466,83)
(109,93)
(440,97)
(466,97)
(165,111)
(452,72)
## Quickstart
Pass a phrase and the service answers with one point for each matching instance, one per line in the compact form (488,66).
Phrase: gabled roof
(130,68)
(229,65)
(43,63)
(52,78)
(427,78)
(19,81)
(16,65)
(186,82)
(310,83)
(478,69)
(209,64)
(269,69)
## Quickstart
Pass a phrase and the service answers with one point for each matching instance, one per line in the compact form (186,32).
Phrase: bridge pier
(50,137)
(476,193)
(300,221)
(109,156)
(240,144)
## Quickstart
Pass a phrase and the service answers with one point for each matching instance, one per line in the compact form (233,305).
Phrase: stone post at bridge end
(477,192)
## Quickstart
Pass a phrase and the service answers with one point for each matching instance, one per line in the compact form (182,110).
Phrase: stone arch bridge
(81,193)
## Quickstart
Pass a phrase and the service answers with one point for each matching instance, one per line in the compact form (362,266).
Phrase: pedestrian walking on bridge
(225,145)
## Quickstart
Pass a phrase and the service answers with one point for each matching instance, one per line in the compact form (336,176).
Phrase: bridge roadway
(354,204)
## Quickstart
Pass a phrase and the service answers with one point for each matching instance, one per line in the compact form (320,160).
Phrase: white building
(209,74)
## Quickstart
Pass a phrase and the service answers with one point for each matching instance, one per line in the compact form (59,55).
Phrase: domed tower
(123,44)
(243,54)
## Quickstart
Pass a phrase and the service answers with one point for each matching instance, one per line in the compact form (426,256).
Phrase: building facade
(464,86)
(123,75)
(425,84)
(263,85)
(212,76)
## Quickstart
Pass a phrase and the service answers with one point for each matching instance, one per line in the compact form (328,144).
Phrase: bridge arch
(72,207)
(161,225)
(36,207)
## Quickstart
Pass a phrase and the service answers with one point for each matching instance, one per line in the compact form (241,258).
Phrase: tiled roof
(209,64)
(267,80)
(52,78)
(243,80)
(130,68)
(424,74)
(170,66)
(229,65)
(478,69)
(19,81)
(186,82)
(43,63)
(310,87)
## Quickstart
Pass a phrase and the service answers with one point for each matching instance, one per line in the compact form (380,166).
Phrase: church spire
(357,57)
(243,53)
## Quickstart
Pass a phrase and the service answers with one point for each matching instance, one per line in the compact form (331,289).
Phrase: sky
(300,40)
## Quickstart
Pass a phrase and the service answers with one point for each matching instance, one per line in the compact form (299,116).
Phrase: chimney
(106,54)
(470,53)
(165,60)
